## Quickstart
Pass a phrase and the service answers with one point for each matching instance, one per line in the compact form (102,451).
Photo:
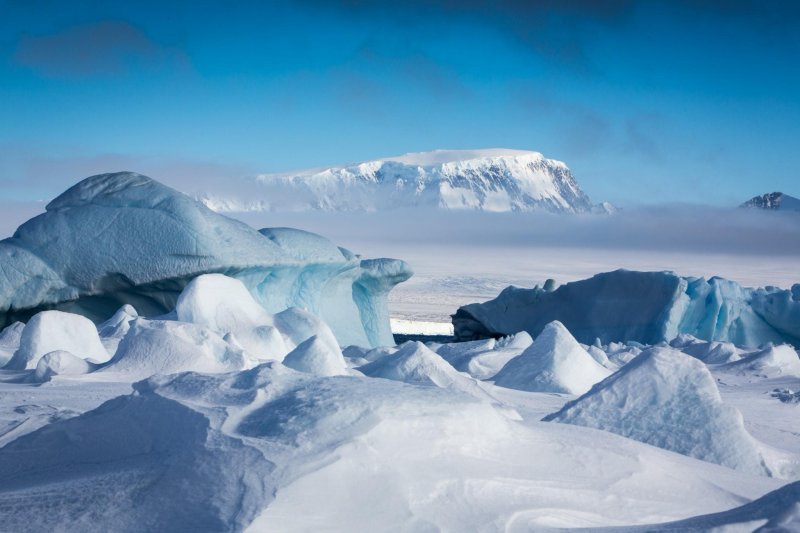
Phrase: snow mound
(710,352)
(554,363)
(167,347)
(415,363)
(49,331)
(297,325)
(59,363)
(670,400)
(646,307)
(123,238)
(315,356)
(488,180)
(10,338)
(483,359)
(771,362)
(224,304)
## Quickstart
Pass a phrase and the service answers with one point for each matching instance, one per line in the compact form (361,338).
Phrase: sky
(648,102)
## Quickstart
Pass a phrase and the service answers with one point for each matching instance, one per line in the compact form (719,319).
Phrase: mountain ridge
(494,179)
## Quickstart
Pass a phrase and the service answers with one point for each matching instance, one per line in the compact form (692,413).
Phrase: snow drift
(554,363)
(647,307)
(123,238)
(670,400)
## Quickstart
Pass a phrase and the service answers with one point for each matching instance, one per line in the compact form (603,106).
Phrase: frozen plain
(415,439)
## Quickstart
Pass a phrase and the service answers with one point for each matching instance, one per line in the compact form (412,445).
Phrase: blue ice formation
(646,307)
(123,238)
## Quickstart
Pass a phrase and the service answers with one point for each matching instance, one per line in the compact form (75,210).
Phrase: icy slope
(278,450)
(487,180)
(669,399)
(125,238)
(647,307)
(554,363)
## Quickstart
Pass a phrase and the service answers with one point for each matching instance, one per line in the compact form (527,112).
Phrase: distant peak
(773,200)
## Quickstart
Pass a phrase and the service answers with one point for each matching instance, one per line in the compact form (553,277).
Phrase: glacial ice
(123,238)
(554,363)
(647,307)
(670,400)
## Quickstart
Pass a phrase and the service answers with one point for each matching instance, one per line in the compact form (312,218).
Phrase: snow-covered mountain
(774,200)
(485,180)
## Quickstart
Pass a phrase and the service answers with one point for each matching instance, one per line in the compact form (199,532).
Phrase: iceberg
(646,307)
(123,238)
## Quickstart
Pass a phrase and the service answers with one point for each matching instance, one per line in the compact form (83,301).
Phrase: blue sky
(647,102)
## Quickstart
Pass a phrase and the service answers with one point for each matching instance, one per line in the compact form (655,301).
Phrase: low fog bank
(475,254)
(679,228)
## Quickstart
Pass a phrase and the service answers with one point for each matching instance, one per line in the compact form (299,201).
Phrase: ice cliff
(646,307)
(124,238)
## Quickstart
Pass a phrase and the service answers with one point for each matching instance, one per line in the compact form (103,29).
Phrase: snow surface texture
(271,449)
(486,180)
(647,307)
(554,363)
(668,399)
(774,200)
(124,238)
(776,512)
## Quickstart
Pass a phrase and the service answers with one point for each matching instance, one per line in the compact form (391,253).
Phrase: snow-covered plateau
(485,180)
(165,368)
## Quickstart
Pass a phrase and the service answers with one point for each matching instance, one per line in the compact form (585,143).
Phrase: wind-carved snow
(124,238)
(554,363)
(486,180)
(669,399)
